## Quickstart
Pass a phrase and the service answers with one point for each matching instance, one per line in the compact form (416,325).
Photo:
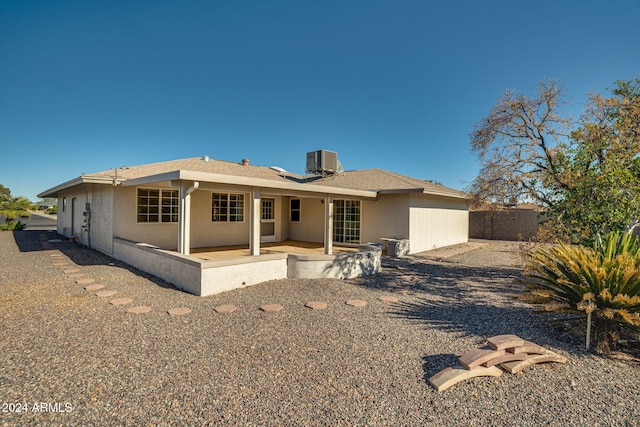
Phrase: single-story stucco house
(207,225)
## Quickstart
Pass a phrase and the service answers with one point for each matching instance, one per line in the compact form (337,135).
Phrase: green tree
(588,177)
(14,207)
(604,166)
(4,191)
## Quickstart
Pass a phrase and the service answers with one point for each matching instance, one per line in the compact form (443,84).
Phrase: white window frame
(168,206)
(231,208)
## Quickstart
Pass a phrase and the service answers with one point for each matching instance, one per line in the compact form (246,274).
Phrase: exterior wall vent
(322,162)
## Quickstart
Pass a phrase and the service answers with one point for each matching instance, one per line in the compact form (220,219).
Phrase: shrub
(603,280)
(10,225)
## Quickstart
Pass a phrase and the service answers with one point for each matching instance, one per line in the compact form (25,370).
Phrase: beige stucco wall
(437,221)
(164,235)
(386,217)
(206,233)
(311,225)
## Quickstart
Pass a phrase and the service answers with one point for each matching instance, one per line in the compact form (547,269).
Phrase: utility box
(396,247)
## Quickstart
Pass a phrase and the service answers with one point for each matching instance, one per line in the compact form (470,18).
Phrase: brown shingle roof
(383,181)
(376,180)
(195,164)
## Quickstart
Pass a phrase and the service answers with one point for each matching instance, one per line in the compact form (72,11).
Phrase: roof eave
(243,181)
(445,193)
(53,191)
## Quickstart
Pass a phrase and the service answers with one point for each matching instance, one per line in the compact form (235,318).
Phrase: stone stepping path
(271,308)
(387,298)
(139,309)
(225,308)
(509,352)
(93,287)
(356,303)
(316,305)
(76,276)
(85,281)
(106,293)
(121,301)
(71,270)
(179,311)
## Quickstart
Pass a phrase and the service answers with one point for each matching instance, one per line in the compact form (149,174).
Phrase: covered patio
(286,247)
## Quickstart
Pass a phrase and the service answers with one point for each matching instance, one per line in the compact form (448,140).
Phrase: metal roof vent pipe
(245,162)
(205,158)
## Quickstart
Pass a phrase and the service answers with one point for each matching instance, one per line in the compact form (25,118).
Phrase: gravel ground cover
(69,357)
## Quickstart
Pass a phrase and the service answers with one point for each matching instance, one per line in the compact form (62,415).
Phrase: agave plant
(602,282)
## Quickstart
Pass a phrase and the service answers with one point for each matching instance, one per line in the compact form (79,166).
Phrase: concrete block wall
(514,224)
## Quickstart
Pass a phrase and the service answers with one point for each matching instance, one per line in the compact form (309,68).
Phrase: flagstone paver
(453,375)
(121,301)
(532,359)
(71,270)
(528,347)
(225,308)
(93,287)
(387,298)
(76,275)
(271,307)
(316,305)
(502,342)
(507,357)
(478,356)
(356,302)
(106,293)
(139,309)
(84,281)
(179,311)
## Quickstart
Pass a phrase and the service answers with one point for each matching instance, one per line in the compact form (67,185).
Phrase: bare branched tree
(520,145)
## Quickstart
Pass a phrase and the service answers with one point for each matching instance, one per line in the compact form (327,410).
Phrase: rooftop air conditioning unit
(322,162)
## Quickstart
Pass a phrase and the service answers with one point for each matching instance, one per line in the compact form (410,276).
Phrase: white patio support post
(328,225)
(184,217)
(254,220)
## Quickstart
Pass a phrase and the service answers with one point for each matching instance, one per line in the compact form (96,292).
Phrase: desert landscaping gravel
(70,357)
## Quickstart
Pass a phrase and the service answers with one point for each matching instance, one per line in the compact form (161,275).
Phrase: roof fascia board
(425,191)
(53,191)
(243,181)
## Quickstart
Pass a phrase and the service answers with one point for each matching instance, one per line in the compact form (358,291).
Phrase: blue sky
(90,85)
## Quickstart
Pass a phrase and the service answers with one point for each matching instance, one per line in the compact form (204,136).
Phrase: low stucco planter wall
(347,266)
(202,277)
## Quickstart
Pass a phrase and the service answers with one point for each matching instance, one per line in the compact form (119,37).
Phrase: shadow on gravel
(31,241)
(463,300)
(435,363)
